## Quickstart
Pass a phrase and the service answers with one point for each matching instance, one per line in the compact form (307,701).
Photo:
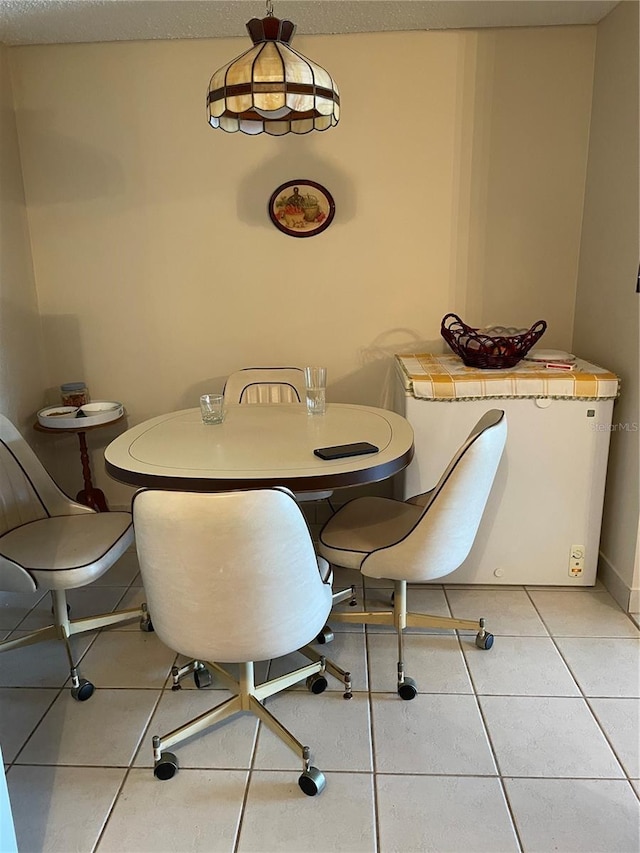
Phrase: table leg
(89,496)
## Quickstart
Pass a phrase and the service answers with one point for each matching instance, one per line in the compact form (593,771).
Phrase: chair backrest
(265,385)
(443,534)
(230,576)
(27,492)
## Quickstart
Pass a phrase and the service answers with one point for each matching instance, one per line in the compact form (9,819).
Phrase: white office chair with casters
(49,542)
(271,385)
(418,540)
(233,578)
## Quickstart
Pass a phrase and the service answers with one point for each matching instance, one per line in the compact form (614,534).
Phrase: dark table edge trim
(297,484)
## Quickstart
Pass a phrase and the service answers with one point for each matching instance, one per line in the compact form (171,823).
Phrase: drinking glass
(212,408)
(316,382)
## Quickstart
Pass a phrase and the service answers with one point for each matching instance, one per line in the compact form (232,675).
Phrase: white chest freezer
(542,522)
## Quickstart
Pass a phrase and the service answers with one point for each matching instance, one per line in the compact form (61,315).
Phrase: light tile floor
(532,746)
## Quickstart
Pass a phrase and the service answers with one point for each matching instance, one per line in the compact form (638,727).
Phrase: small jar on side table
(74,394)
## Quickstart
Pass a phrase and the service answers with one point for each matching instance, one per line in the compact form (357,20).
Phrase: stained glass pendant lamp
(271,88)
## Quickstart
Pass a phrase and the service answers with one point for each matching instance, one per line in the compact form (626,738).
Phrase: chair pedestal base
(64,628)
(412,620)
(249,697)
(400,618)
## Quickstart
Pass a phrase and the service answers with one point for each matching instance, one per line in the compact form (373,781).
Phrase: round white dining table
(260,445)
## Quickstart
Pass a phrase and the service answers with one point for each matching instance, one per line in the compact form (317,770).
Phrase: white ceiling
(65,21)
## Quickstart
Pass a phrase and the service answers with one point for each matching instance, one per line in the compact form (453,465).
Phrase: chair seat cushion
(68,551)
(365,525)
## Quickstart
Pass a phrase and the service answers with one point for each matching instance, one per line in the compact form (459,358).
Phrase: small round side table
(89,495)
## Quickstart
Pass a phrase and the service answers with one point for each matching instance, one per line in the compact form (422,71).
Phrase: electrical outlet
(576,561)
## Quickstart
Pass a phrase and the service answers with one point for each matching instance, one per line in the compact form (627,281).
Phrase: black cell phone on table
(340,451)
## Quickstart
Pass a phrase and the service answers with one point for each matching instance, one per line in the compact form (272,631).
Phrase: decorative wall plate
(301,208)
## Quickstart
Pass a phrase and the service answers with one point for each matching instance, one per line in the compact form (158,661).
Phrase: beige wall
(21,355)
(607,306)
(158,270)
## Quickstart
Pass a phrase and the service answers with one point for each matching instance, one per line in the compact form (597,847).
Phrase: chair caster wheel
(408,689)
(325,636)
(484,640)
(83,691)
(202,678)
(316,683)
(167,767)
(312,781)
